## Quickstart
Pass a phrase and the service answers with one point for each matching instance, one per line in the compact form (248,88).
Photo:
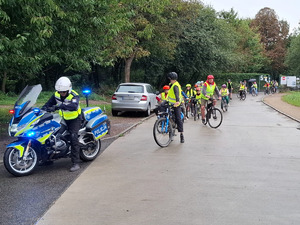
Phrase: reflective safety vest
(171,95)
(224,92)
(198,96)
(242,87)
(210,89)
(66,114)
(190,93)
(163,96)
(255,86)
(229,84)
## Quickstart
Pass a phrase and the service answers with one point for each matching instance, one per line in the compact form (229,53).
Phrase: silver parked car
(134,97)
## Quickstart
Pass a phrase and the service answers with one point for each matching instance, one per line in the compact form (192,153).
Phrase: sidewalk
(218,183)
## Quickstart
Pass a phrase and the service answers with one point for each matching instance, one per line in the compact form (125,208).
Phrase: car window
(150,89)
(131,88)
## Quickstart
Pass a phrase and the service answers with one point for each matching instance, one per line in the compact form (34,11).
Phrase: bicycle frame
(164,127)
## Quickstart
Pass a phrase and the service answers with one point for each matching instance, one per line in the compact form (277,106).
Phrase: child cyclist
(224,93)
(197,99)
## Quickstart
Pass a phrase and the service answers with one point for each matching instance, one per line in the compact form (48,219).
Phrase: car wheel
(148,111)
(114,112)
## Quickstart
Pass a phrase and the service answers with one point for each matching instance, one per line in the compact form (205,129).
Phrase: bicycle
(253,92)
(214,116)
(273,90)
(165,126)
(188,108)
(197,108)
(267,91)
(241,96)
(224,104)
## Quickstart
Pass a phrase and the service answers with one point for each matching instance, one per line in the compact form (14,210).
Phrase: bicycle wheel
(195,113)
(199,112)
(243,96)
(215,118)
(225,106)
(162,132)
(272,90)
(188,111)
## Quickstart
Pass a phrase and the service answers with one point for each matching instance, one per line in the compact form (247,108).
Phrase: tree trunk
(128,63)
(3,85)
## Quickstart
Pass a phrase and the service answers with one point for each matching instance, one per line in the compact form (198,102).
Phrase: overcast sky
(288,10)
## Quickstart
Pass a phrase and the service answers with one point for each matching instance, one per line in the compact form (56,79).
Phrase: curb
(279,111)
(128,129)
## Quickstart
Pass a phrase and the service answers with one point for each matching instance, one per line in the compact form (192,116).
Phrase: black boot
(181,138)
(75,167)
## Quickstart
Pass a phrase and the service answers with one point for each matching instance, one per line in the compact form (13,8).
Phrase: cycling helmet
(188,85)
(198,82)
(198,89)
(196,85)
(166,87)
(172,76)
(224,86)
(210,77)
(63,84)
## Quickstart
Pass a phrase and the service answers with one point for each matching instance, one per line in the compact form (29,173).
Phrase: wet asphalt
(23,200)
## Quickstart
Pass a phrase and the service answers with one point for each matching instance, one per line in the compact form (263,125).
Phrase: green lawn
(4,115)
(292,98)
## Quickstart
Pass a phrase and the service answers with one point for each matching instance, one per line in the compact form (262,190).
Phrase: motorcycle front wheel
(91,151)
(20,166)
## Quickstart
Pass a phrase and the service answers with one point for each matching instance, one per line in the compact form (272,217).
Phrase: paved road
(23,200)
(245,172)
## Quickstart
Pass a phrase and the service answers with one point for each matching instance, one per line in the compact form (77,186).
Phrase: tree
(249,55)
(145,17)
(293,56)
(274,34)
(57,36)
(206,46)
(25,28)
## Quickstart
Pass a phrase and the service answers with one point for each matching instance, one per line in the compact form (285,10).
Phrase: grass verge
(292,98)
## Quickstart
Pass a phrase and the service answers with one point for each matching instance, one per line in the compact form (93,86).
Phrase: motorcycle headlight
(14,128)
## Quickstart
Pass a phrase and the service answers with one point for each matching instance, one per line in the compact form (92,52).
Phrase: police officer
(175,97)
(66,101)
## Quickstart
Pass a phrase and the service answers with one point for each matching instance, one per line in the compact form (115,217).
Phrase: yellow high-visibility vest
(224,92)
(163,96)
(171,95)
(66,114)
(210,89)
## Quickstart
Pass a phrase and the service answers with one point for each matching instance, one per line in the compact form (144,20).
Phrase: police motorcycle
(42,136)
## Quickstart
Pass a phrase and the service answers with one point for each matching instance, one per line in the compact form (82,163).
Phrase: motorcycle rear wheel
(20,166)
(90,153)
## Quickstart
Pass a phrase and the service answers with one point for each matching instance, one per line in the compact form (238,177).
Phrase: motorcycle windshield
(27,99)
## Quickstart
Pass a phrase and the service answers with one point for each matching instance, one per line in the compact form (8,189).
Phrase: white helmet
(63,84)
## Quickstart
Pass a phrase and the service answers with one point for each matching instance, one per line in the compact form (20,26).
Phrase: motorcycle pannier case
(97,123)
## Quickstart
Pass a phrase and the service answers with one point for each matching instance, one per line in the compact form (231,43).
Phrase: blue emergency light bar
(86,91)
